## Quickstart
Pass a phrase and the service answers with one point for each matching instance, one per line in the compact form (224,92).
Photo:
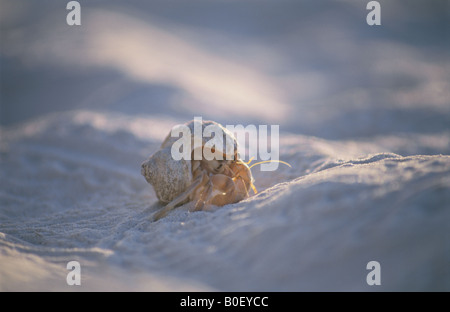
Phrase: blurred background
(313,67)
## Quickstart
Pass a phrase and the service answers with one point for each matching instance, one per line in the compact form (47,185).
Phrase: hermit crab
(197,178)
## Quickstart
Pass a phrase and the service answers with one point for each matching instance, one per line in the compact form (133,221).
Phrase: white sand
(73,191)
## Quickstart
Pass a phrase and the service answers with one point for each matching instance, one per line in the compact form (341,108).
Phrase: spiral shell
(167,176)
(170,177)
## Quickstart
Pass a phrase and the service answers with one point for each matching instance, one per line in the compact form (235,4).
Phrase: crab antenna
(266,161)
(249,161)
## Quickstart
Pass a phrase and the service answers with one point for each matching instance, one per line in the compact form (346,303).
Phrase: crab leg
(200,181)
